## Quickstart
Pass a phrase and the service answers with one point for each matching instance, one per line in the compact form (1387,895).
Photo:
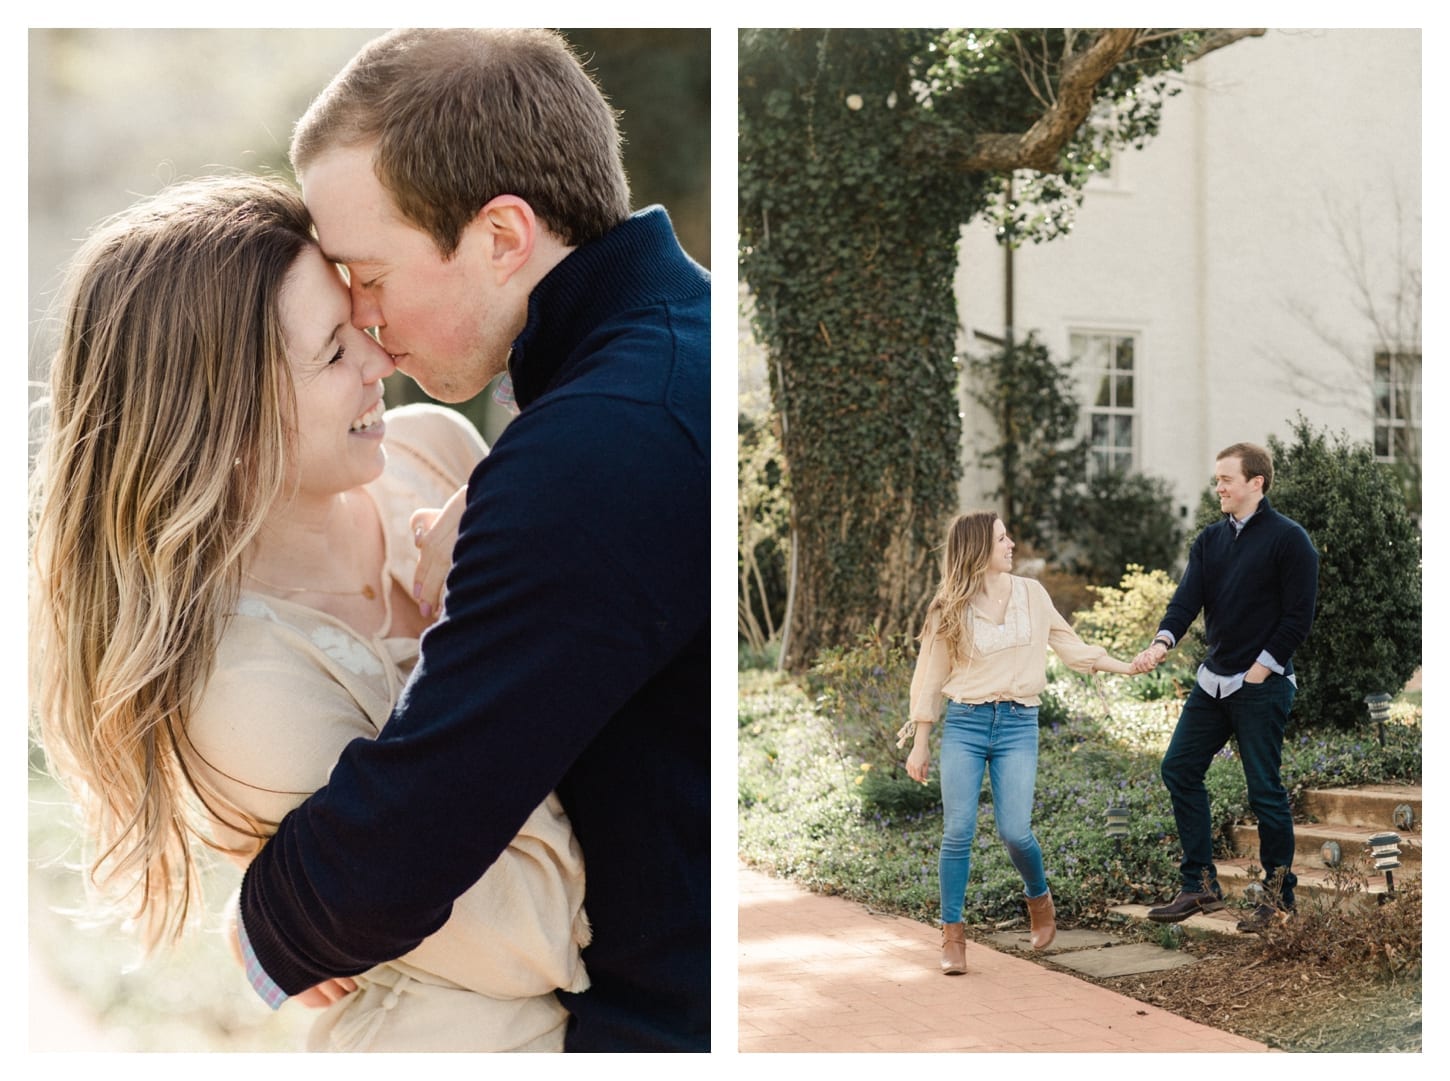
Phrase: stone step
(1233,875)
(1234,878)
(1224,921)
(1370,806)
(1309,838)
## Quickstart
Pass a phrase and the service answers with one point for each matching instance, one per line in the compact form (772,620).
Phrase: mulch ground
(1293,1004)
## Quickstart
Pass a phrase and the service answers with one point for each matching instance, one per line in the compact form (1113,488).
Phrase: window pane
(1124,391)
(1125,354)
(1099,434)
(1091,350)
(1105,392)
(1381,441)
(1382,401)
(1404,407)
(1123,431)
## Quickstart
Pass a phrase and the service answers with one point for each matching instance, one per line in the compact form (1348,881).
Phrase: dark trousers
(1255,715)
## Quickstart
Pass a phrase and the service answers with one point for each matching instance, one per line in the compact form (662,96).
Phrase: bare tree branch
(1040,147)
(1218,39)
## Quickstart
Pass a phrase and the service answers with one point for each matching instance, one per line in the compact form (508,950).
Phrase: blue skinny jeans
(999,738)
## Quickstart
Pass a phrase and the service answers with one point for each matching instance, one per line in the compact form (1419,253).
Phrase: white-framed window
(1106,363)
(1397,405)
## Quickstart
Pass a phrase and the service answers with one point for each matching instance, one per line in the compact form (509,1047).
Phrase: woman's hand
(435,530)
(319,997)
(326,993)
(918,761)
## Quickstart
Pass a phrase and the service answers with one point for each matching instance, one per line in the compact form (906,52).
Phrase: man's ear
(510,232)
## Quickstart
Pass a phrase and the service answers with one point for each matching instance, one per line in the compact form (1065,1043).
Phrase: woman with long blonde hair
(222,568)
(984,648)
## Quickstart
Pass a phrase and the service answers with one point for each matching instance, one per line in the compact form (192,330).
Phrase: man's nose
(365,310)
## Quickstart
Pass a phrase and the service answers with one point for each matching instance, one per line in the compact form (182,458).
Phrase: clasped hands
(1150,658)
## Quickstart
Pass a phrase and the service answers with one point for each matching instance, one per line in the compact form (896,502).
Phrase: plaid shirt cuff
(271,994)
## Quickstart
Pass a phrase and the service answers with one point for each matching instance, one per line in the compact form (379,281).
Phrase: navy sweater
(1256,589)
(573,657)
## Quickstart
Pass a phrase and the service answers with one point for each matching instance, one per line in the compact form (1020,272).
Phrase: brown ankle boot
(953,949)
(1044,920)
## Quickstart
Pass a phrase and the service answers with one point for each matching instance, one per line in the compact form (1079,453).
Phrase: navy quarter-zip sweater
(573,656)
(1256,589)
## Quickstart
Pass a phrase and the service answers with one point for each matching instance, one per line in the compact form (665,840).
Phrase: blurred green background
(114,115)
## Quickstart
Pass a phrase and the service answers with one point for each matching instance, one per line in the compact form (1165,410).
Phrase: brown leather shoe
(1044,920)
(953,949)
(1184,905)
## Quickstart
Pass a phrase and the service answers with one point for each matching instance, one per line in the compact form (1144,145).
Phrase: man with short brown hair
(1254,576)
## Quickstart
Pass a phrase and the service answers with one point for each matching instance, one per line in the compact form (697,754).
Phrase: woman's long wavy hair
(168,433)
(964,568)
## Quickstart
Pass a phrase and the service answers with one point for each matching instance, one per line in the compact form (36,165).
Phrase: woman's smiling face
(1002,546)
(337,373)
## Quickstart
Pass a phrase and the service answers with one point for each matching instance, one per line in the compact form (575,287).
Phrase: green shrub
(1124,519)
(750,659)
(1124,619)
(1366,635)
(865,690)
(1034,406)
(1053,709)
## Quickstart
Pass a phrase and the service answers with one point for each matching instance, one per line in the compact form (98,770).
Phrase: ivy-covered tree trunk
(862,152)
(853,265)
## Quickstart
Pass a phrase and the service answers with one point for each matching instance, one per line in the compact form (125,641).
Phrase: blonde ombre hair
(964,568)
(168,433)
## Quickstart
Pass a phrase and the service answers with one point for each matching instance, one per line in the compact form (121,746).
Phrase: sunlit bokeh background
(114,115)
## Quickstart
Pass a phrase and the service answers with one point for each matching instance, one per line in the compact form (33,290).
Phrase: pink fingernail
(417,591)
(427,610)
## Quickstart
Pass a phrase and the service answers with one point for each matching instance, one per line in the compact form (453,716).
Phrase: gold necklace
(367,591)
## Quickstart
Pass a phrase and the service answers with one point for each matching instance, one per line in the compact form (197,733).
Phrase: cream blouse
(996,662)
(291,688)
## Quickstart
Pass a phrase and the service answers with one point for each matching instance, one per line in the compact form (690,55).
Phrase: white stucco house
(1218,281)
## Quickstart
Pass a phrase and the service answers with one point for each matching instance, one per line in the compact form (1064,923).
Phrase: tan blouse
(292,687)
(996,662)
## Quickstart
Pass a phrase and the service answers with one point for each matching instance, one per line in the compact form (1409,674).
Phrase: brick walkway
(823,974)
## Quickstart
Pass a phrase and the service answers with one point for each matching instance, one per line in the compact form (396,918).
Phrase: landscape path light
(1384,849)
(1117,825)
(1379,712)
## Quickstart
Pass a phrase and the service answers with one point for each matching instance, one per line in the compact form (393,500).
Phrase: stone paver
(820,974)
(1125,960)
(1074,939)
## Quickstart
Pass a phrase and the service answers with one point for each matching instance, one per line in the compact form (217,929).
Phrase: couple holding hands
(1253,575)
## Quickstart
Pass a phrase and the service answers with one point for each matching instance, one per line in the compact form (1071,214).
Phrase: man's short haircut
(463,116)
(1257,461)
